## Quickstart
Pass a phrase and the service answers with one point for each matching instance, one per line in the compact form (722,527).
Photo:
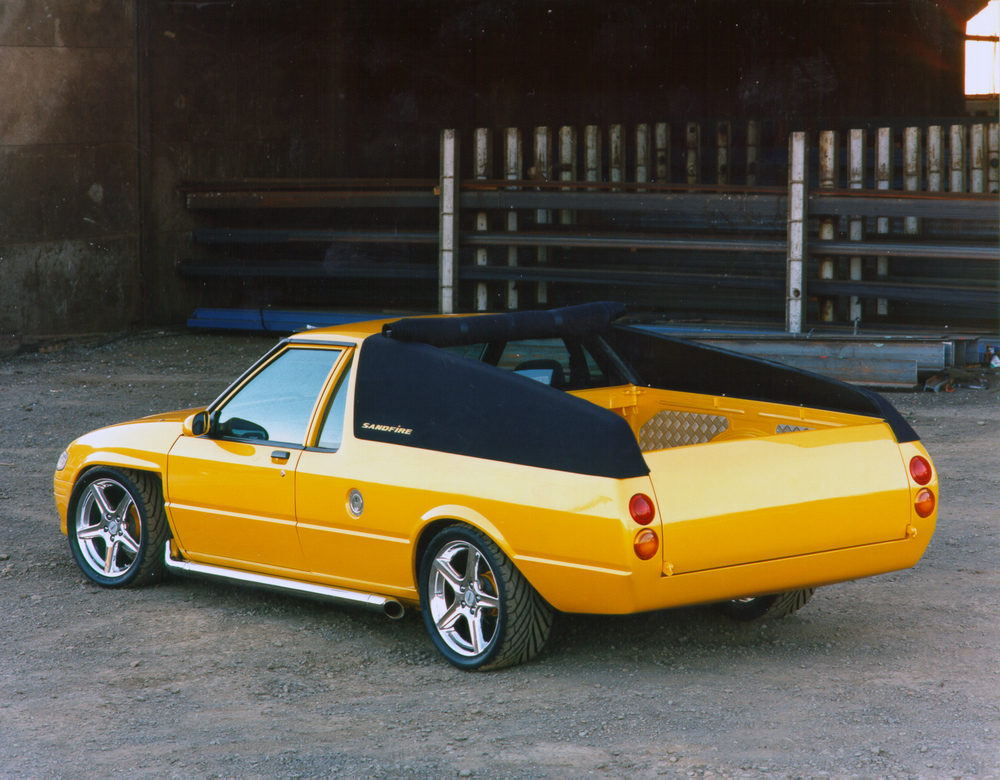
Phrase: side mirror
(196,424)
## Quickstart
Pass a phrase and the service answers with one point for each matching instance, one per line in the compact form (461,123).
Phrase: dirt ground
(894,676)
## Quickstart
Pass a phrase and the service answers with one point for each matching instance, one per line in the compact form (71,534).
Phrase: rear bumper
(601,591)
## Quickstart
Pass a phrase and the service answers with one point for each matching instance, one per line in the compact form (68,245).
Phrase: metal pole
(911,173)
(829,144)
(484,169)
(567,167)
(513,166)
(795,290)
(616,150)
(753,152)
(692,160)
(993,150)
(448,221)
(883,181)
(661,131)
(935,159)
(592,153)
(542,172)
(956,144)
(722,133)
(642,153)
(977,158)
(856,181)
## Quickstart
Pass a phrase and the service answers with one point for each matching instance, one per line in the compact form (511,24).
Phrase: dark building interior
(111,106)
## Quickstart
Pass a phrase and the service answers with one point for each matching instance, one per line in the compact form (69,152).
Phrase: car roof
(351,330)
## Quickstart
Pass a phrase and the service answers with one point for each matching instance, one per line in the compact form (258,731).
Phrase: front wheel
(777,605)
(117,527)
(478,608)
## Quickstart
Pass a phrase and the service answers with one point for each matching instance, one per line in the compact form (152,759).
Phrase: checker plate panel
(677,429)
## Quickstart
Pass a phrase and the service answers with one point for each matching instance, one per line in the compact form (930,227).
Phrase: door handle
(280,455)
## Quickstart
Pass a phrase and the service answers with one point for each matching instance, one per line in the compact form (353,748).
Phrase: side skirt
(352,598)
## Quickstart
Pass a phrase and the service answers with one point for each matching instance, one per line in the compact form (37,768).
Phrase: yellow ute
(492,469)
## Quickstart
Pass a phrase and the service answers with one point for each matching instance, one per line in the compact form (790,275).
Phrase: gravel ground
(894,676)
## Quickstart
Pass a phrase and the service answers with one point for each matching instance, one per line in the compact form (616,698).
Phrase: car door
(351,524)
(231,493)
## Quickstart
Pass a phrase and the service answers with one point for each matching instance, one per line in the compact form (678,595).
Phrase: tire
(478,608)
(117,527)
(775,606)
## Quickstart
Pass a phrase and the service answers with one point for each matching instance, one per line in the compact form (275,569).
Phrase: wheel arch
(118,460)
(452,514)
(80,477)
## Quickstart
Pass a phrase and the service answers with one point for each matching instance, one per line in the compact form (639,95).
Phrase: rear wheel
(478,608)
(117,527)
(777,605)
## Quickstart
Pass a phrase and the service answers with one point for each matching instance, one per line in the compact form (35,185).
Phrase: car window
(275,405)
(554,362)
(332,433)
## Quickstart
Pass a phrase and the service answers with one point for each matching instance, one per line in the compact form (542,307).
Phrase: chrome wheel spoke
(109,559)
(447,621)
(487,600)
(96,490)
(122,511)
(452,577)
(479,642)
(91,532)
(471,565)
(130,544)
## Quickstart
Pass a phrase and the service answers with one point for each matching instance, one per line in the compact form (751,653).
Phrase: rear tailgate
(757,499)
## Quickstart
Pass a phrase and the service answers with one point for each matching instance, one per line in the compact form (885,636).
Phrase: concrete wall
(68,260)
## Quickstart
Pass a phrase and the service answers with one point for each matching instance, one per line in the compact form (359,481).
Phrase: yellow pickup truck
(491,469)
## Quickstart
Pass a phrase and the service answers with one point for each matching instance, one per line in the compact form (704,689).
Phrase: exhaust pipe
(352,598)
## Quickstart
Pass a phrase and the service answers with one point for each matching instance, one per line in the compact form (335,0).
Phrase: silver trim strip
(352,598)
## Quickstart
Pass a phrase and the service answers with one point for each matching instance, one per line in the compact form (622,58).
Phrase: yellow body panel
(752,511)
(232,503)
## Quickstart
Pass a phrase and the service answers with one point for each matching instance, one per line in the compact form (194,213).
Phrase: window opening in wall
(982,51)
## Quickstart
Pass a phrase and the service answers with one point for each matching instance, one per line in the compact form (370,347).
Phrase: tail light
(642,510)
(924,503)
(920,470)
(646,544)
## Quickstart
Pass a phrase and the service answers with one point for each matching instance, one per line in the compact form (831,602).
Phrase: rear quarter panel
(757,499)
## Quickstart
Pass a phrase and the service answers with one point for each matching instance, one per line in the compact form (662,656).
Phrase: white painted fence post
(935,159)
(692,160)
(795,280)
(911,173)
(513,167)
(993,152)
(542,172)
(567,167)
(883,181)
(829,147)
(484,169)
(722,156)
(753,152)
(856,181)
(642,153)
(592,153)
(448,221)
(616,150)
(661,132)
(977,158)
(956,147)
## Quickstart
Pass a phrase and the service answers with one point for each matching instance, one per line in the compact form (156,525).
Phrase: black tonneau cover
(416,395)
(675,364)
(454,404)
